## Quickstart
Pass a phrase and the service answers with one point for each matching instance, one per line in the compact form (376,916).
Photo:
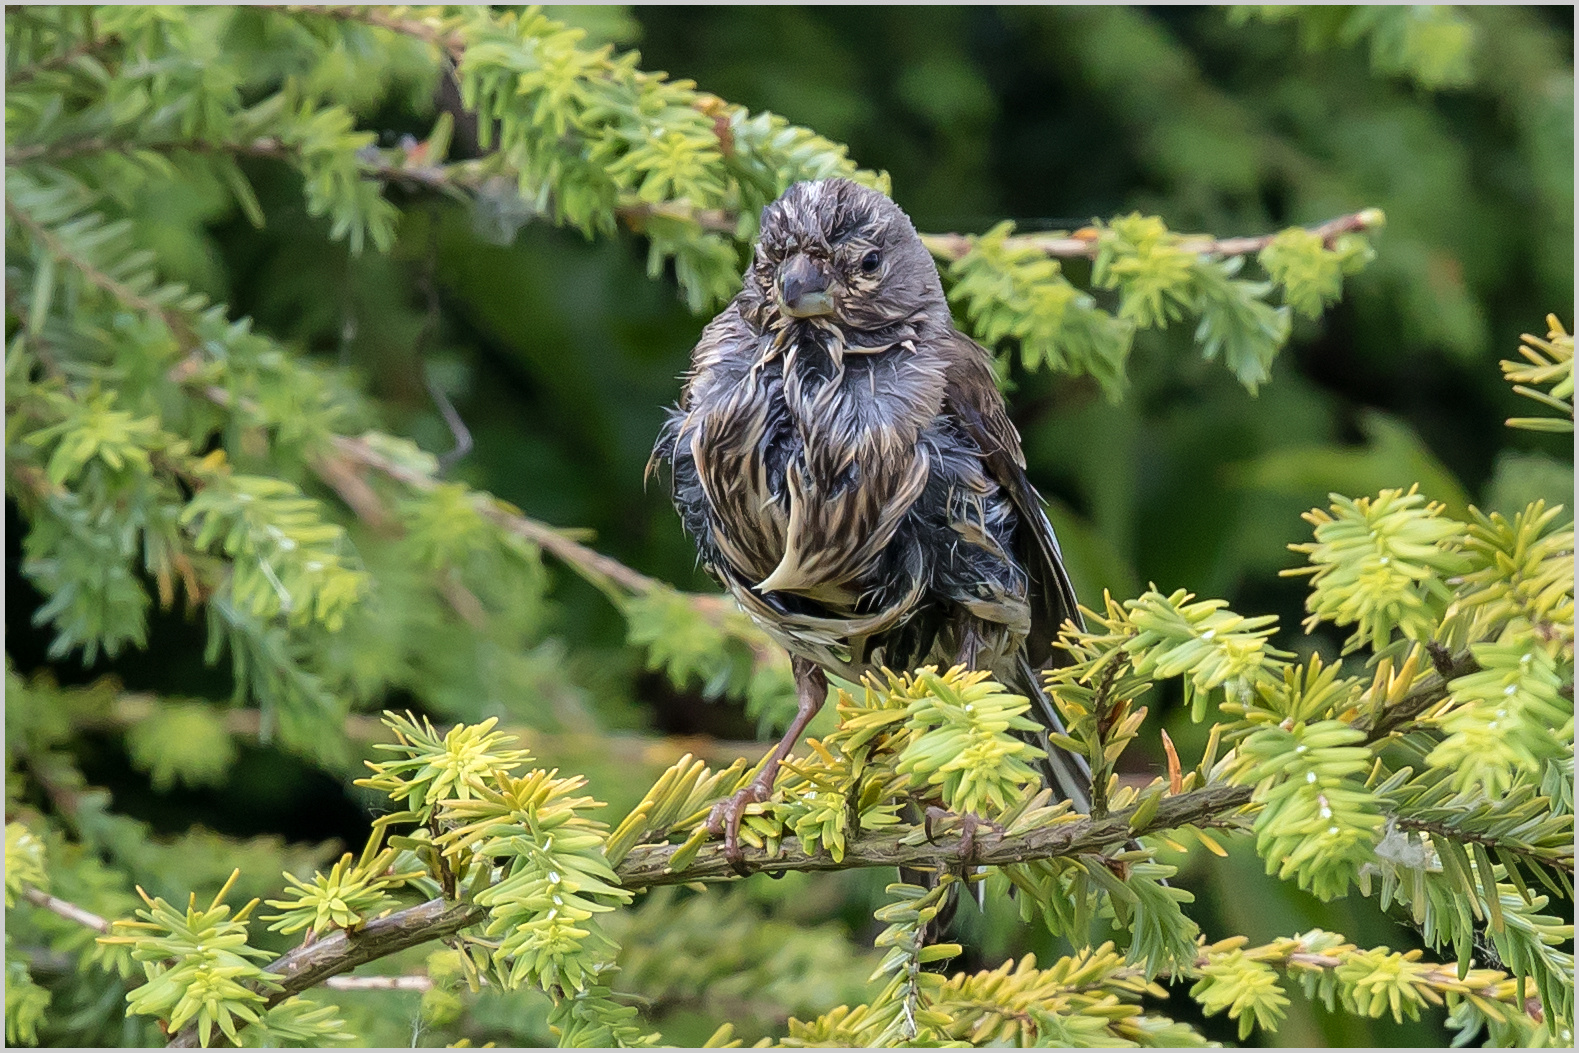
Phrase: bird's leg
(811,687)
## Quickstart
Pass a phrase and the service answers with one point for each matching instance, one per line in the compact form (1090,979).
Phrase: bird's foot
(811,687)
(727,814)
(969,823)
(967,836)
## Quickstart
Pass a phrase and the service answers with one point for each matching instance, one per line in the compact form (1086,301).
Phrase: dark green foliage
(265,268)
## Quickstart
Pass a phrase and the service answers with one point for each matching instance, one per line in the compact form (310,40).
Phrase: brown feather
(974,398)
(850,471)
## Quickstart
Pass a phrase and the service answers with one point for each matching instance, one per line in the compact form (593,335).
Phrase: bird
(843,459)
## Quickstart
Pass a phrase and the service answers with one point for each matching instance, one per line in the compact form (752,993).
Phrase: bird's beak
(803,287)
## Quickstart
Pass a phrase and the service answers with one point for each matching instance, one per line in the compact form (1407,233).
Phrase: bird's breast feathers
(810,457)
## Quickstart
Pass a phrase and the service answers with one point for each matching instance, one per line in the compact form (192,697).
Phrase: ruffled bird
(847,468)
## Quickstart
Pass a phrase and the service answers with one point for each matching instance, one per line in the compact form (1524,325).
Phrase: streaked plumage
(848,470)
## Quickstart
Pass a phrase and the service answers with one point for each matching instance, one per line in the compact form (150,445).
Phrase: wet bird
(843,459)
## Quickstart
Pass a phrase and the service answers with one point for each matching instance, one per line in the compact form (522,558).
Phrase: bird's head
(839,251)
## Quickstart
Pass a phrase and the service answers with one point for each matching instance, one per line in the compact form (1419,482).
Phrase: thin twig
(69,911)
(267,147)
(411,982)
(1439,977)
(428,285)
(1442,829)
(600,569)
(614,578)
(1087,243)
(59,250)
(54,62)
(1430,690)
(89,920)
(453,44)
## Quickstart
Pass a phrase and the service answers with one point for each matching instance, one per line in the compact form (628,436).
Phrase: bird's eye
(871,261)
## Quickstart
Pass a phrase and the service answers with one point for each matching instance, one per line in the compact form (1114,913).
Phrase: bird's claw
(969,823)
(967,836)
(726,816)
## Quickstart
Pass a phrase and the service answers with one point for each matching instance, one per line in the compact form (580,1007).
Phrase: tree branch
(613,578)
(317,962)
(1083,243)
(470,177)
(1087,242)
(647,866)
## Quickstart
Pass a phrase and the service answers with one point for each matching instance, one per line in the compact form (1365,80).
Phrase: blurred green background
(560,355)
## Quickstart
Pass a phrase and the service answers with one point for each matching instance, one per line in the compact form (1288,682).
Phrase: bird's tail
(1066,774)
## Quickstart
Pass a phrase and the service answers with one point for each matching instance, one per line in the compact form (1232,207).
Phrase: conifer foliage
(164,452)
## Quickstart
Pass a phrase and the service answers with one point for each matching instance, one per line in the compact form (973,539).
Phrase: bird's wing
(973,397)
